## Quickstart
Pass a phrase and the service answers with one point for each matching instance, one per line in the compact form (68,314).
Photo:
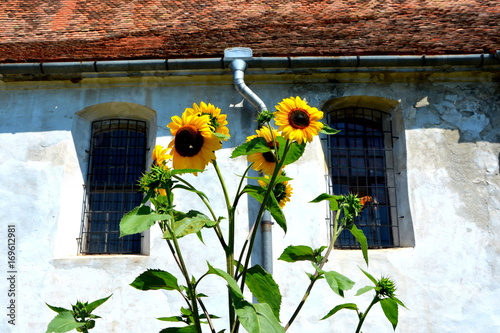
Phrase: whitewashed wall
(448,280)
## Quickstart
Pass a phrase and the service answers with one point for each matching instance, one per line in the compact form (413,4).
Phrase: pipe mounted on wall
(340,63)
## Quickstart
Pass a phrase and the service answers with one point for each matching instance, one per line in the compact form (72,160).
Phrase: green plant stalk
(314,278)
(240,185)
(229,249)
(191,287)
(337,230)
(182,265)
(253,232)
(363,315)
(261,212)
(230,213)
(262,209)
(204,309)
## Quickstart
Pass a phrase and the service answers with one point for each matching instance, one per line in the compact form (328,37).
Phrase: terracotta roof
(69,30)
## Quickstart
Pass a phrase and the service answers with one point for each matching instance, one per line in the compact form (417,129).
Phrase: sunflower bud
(386,287)
(264,117)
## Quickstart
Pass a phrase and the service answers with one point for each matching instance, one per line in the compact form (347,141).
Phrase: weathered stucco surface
(448,279)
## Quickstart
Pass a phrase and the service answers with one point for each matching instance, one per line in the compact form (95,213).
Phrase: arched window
(117,159)
(113,149)
(361,161)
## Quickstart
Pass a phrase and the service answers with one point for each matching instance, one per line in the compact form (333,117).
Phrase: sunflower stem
(230,246)
(240,185)
(336,232)
(249,242)
(255,227)
(176,250)
(362,316)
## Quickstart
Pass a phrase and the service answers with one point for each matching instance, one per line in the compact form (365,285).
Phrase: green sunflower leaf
(63,322)
(272,205)
(274,208)
(256,192)
(172,319)
(56,308)
(361,238)
(264,288)
(181,171)
(348,306)
(328,130)
(399,302)
(92,306)
(139,219)
(333,200)
(368,275)
(236,293)
(295,253)
(390,308)
(155,279)
(364,290)
(257,318)
(338,282)
(189,223)
(203,316)
(256,145)
(221,136)
(294,152)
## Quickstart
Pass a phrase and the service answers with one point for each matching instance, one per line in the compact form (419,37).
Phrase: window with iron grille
(361,161)
(117,159)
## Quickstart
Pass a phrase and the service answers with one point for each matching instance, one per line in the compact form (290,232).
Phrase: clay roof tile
(68,30)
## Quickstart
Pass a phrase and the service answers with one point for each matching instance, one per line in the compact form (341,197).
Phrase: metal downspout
(238,67)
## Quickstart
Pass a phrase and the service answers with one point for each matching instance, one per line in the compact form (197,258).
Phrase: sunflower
(264,162)
(194,144)
(282,191)
(364,200)
(296,120)
(160,155)
(217,121)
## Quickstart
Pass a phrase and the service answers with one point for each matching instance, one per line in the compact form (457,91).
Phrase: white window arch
(115,140)
(368,157)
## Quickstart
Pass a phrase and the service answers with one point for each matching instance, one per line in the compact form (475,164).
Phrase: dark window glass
(361,162)
(117,159)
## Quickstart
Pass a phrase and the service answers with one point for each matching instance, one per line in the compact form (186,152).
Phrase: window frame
(362,115)
(121,154)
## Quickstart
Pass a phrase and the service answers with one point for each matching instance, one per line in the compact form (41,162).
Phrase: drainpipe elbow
(238,67)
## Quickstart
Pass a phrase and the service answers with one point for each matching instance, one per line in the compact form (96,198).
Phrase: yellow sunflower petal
(296,120)
(160,155)
(194,144)
(217,121)
(264,162)
(282,191)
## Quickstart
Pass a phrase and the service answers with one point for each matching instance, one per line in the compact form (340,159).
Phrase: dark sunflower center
(280,191)
(188,141)
(268,156)
(298,118)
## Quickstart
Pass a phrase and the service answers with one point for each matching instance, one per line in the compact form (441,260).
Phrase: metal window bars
(361,161)
(117,159)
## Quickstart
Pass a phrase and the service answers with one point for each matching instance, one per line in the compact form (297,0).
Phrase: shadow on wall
(82,125)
